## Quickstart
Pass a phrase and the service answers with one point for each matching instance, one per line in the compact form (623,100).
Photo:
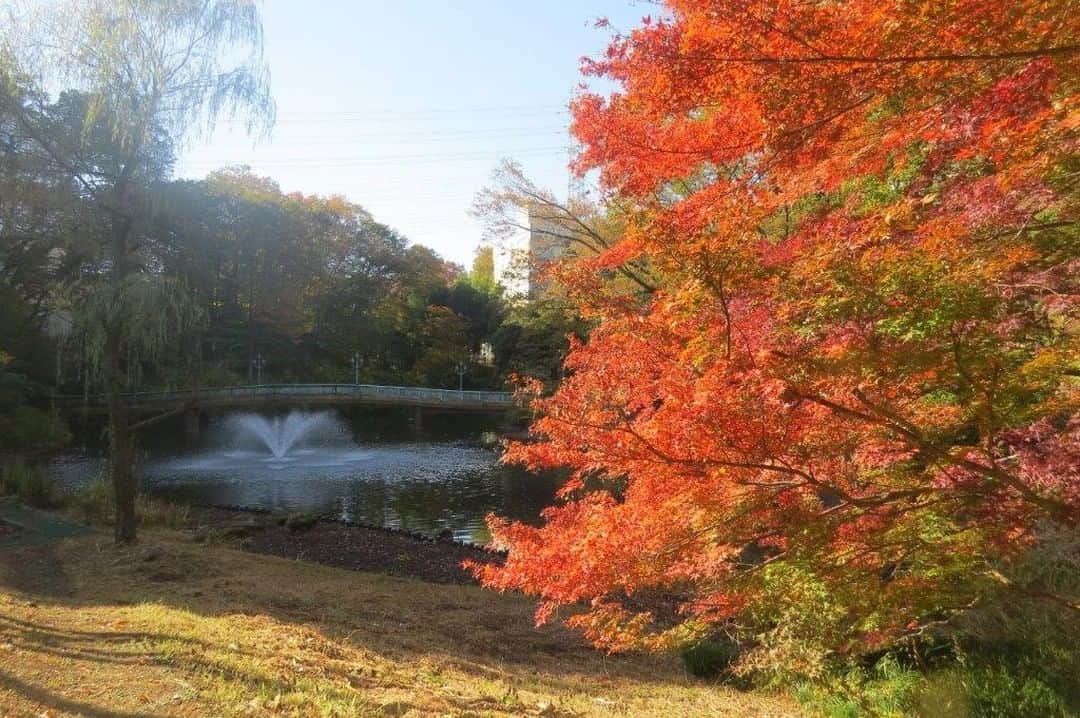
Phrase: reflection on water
(418,486)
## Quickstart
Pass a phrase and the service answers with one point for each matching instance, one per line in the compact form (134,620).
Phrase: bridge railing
(359,391)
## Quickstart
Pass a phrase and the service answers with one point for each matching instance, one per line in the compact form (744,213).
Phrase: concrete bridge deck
(302,395)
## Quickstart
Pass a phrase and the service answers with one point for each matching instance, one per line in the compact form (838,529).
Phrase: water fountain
(281,434)
(246,446)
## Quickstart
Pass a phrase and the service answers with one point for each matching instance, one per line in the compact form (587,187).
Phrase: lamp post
(258,363)
(461,369)
(357,362)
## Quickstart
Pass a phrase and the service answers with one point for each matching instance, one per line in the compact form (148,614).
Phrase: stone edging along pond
(416,535)
(349,545)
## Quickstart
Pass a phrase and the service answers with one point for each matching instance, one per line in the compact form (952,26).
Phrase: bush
(25,428)
(159,512)
(95,503)
(301,521)
(32,484)
(709,658)
(1000,692)
(982,686)
(886,689)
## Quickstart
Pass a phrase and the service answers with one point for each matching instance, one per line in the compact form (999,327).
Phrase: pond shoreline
(344,545)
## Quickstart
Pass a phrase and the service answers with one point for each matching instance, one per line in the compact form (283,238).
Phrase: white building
(520,261)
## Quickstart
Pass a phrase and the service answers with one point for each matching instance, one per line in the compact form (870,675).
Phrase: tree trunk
(121,446)
(122,442)
(122,459)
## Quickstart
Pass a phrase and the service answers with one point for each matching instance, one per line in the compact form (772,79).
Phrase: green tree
(482,275)
(147,72)
(482,308)
(442,337)
(533,340)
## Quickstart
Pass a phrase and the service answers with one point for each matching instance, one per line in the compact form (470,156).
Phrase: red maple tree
(854,400)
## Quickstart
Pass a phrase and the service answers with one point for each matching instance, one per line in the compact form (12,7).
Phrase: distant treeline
(289,287)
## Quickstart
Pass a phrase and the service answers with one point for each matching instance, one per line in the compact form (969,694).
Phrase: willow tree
(151,72)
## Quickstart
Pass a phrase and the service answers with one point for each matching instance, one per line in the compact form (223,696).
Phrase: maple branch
(717,285)
(601,242)
(886,419)
(1070,603)
(701,463)
(869,502)
(788,34)
(1035,227)
(1061,50)
(752,144)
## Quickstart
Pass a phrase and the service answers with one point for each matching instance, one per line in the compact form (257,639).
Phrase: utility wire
(324,138)
(396,119)
(376,159)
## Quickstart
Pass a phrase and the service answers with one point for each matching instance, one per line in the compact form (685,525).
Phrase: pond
(365,467)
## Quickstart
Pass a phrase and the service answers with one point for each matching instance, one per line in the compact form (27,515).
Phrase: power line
(375,140)
(428,110)
(377,160)
(396,119)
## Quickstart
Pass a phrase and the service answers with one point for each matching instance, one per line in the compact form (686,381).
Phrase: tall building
(541,238)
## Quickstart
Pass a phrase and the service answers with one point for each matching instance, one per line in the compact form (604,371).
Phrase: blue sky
(406,106)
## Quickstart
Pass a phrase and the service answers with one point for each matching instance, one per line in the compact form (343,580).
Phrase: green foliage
(1013,655)
(14,388)
(482,275)
(991,684)
(882,191)
(300,521)
(709,658)
(885,690)
(481,307)
(32,484)
(95,503)
(147,312)
(27,355)
(998,691)
(27,428)
(308,282)
(533,339)
(802,619)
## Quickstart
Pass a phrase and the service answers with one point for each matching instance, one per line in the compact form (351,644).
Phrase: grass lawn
(171,627)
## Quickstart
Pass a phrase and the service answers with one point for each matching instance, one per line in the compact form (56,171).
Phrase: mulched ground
(335,544)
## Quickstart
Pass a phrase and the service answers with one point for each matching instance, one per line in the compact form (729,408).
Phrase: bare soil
(353,547)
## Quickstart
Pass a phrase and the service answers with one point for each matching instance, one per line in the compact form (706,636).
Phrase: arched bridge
(302,395)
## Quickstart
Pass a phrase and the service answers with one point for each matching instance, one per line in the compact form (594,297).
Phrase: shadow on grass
(39,695)
(45,633)
(249,625)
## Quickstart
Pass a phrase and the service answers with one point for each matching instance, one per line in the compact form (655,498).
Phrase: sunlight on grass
(175,628)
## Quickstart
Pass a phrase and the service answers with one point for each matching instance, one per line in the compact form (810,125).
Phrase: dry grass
(175,628)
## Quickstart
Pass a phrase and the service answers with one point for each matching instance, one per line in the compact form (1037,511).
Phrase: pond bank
(361,548)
